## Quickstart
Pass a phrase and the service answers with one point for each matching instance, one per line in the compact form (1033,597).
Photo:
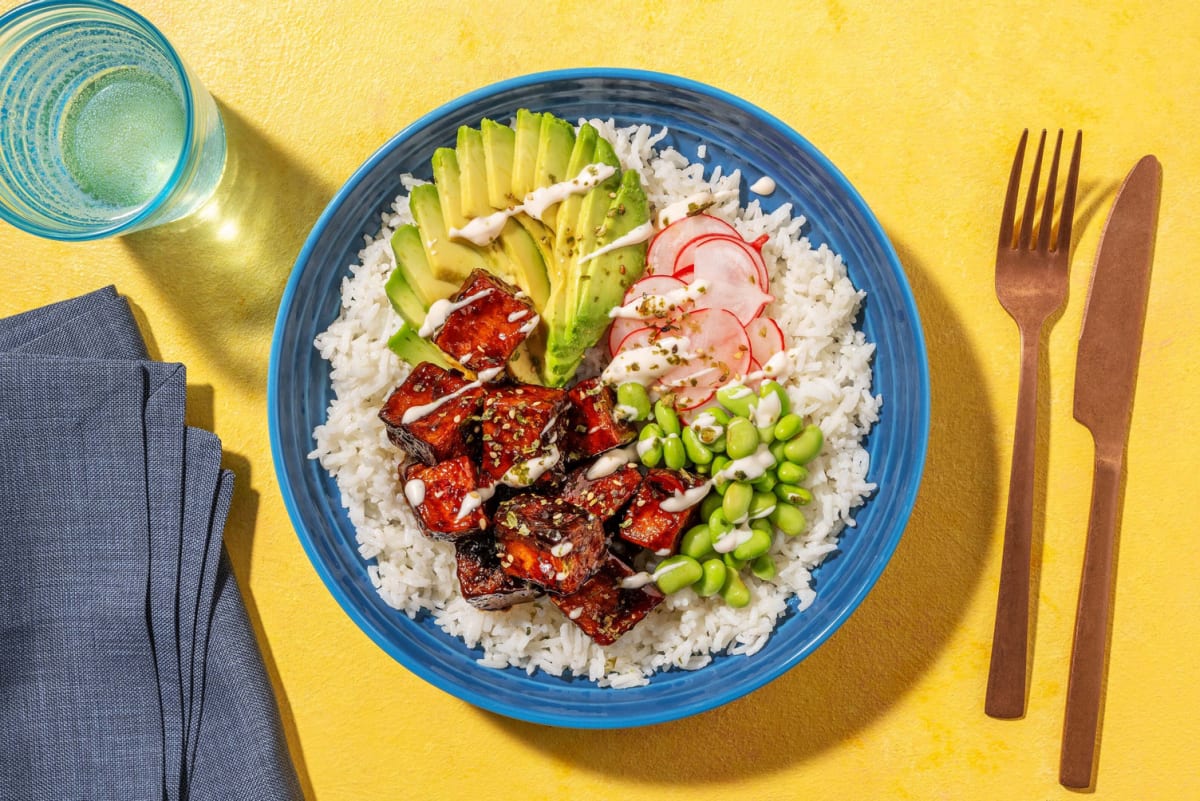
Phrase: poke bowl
(764,177)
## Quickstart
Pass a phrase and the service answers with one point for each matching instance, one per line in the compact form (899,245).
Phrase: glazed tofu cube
(646,523)
(593,427)
(433,416)
(448,499)
(603,496)
(548,542)
(521,426)
(486,322)
(603,608)
(484,585)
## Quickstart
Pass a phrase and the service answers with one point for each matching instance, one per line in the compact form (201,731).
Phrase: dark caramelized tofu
(603,496)
(486,323)
(451,503)
(548,542)
(520,428)
(603,608)
(593,426)
(646,523)
(484,585)
(434,415)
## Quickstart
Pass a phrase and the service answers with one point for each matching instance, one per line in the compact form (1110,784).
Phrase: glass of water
(103,130)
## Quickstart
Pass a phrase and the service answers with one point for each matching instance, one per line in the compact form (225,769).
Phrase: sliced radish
(687,254)
(732,279)
(719,350)
(666,244)
(659,316)
(686,274)
(766,339)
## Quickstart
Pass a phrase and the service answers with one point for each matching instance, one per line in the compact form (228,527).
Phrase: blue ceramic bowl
(737,135)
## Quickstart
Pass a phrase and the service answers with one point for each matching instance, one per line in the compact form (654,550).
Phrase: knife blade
(1105,375)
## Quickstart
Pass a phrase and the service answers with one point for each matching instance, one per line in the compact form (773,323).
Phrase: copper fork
(1031,283)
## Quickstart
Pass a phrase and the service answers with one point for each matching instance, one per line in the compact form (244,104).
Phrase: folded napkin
(128,668)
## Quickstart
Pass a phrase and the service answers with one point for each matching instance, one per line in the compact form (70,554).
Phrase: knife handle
(1086,684)
(1010,638)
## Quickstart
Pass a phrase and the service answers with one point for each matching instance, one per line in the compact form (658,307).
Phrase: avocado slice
(567,216)
(525,149)
(447,176)
(555,144)
(412,348)
(472,166)
(412,285)
(448,260)
(499,150)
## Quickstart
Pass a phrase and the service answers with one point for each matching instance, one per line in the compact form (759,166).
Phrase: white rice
(815,304)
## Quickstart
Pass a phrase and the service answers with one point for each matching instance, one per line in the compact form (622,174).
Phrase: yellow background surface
(920,105)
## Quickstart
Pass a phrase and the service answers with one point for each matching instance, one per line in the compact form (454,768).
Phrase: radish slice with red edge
(766,339)
(732,278)
(666,244)
(719,349)
(687,254)
(650,285)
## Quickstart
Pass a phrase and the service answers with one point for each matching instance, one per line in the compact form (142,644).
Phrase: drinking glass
(103,129)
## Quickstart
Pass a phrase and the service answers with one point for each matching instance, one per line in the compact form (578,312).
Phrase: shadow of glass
(223,268)
(885,646)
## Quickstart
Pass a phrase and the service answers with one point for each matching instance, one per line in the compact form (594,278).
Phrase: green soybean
(793,494)
(776,449)
(788,519)
(652,454)
(737,399)
(634,396)
(711,503)
(712,579)
(758,544)
(737,501)
(677,572)
(790,473)
(674,455)
(702,469)
(666,418)
(697,451)
(718,414)
(763,567)
(741,438)
(761,505)
(805,447)
(766,434)
(762,524)
(697,542)
(774,388)
(734,591)
(732,563)
(765,483)
(788,426)
(718,524)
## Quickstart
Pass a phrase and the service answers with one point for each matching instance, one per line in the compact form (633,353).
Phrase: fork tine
(1068,205)
(1010,199)
(1031,199)
(1043,243)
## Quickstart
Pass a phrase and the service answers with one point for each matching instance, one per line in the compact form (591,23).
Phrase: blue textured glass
(103,130)
(737,135)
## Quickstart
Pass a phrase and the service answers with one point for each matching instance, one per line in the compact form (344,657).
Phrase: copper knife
(1105,373)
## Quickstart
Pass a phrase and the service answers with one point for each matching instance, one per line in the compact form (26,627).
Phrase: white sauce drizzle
(482,231)
(648,306)
(730,540)
(778,367)
(642,578)
(679,501)
(624,412)
(414,490)
(639,234)
(527,329)
(414,413)
(748,468)
(647,363)
(575,613)
(473,500)
(763,186)
(439,310)
(766,411)
(517,315)
(607,463)
(525,473)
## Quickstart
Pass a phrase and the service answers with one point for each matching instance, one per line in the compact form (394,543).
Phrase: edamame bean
(776,449)
(697,542)
(650,449)
(790,473)
(737,501)
(702,469)
(763,567)
(765,483)
(732,563)
(788,519)
(677,572)
(761,505)
(734,591)
(805,447)
(697,452)
(711,503)
(766,434)
(788,426)
(713,578)
(741,438)
(719,414)
(758,544)
(762,524)
(634,396)
(666,418)
(719,463)
(737,399)
(718,524)
(793,494)
(674,455)
(776,389)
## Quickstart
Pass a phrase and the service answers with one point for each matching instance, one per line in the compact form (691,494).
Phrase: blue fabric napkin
(128,668)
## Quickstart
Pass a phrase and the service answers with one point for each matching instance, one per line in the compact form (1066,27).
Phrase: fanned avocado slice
(448,260)
(499,151)
(472,167)
(556,142)
(525,150)
(411,288)
(409,346)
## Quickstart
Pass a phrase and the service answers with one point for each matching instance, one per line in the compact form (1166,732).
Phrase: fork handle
(1010,639)
(1085,687)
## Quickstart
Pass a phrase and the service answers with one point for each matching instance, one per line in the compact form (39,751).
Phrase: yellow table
(920,104)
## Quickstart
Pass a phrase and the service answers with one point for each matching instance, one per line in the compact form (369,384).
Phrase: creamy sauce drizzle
(473,500)
(649,306)
(679,501)
(726,543)
(415,413)
(647,363)
(778,367)
(517,315)
(637,235)
(607,463)
(439,310)
(763,186)
(525,473)
(766,411)
(414,490)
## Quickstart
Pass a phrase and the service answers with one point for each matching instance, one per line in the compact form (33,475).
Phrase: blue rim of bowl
(527,713)
(152,205)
